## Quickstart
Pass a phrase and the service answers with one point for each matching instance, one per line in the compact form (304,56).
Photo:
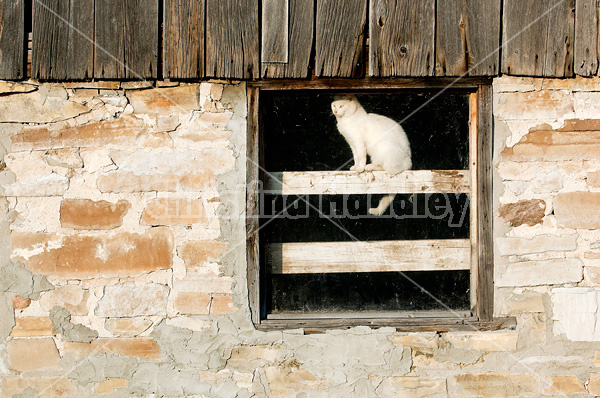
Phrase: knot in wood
(404,49)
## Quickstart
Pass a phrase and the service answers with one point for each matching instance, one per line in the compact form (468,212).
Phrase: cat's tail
(384,203)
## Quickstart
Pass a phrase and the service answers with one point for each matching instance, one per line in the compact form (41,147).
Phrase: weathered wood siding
(12,38)
(291,39)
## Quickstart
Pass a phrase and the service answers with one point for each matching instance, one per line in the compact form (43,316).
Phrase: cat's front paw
(357,168)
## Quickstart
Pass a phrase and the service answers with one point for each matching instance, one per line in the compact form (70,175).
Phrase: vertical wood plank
(300,43)
(586,37)
(127,39)
(109,57)
(183,39)
(232,41)
(340,30)
(467,37)
(63,34)
(402,34)
(485,287)
(252,205)
(12,39)
(275,31)
(538,37)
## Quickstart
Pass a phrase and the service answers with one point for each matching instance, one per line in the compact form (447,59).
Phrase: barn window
(318,259)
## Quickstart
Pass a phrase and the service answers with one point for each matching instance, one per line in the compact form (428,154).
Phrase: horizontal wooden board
(369,315)
(375,256)
(377,182)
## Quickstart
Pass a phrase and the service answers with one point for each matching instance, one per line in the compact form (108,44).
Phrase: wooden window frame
(481,315)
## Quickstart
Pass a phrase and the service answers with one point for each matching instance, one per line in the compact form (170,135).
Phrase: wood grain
(275,18)
(300,43)
(378,182)
(232,39)
(538,37)
(63,34)
(376,256)
(252,209)
(371,83)
(183,39)
(467,37)
(12,39)
(402,34)
(485,288)
(340,30)
(586,37)
(126,34)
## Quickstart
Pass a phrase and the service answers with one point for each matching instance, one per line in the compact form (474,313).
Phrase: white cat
(380,137)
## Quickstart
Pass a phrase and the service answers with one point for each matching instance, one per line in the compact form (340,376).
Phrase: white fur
(380,137)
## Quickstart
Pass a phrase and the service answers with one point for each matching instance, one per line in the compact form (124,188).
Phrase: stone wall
(122,245)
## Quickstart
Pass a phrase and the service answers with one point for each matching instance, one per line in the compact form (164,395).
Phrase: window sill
(312,326)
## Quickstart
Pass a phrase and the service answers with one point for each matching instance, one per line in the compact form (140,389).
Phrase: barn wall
(123,255)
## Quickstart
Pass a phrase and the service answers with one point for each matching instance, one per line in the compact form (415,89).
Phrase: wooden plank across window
(374,256)
(377,182)
(12,38)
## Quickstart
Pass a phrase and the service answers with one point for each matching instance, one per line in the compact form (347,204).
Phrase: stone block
(523,212)
(593,179)
(489,342)
(168,100)
(594,384)
(110,386)
(19,303)
(127,327)
(72,297)
(134,347)
(570,142)
(216,118)
(89,214)
(288,380)
(221,304)
(121,131)
(597,358)
(130,300)
(543,272)
(537,244)
(198,253)
(523,303)
(204,284)
(174,211)
(413,387)
(422,342)
(49,185)
(119,181)
(82,256)
(46,387)
(563,385)
(26,355)
(578,210)
(67,157)
(32,326)
(192,303)
(534,105)
(498,385)
(575,312)
(15,87)
(246,358)
(38,107)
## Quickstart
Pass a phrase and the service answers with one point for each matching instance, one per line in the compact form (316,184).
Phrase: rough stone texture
(483,341)
(575,312)
(123,254)
(119,181)
(73,298)
(413,387)
(127,327)
(537,244)
(578,210)
(136,347)
(497,385)
(167,211)
(196,253)
(533,105)
(32,326)
(111,385)
(62,325)
(192,303)
(165,101)
(544,272)
(89,214)
(523,212)
(49,185)
(46,387)
(19,303)
(133,300)
(36,107)
(122,131)
(25,355)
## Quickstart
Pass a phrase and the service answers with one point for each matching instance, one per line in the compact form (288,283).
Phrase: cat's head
(344,105)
